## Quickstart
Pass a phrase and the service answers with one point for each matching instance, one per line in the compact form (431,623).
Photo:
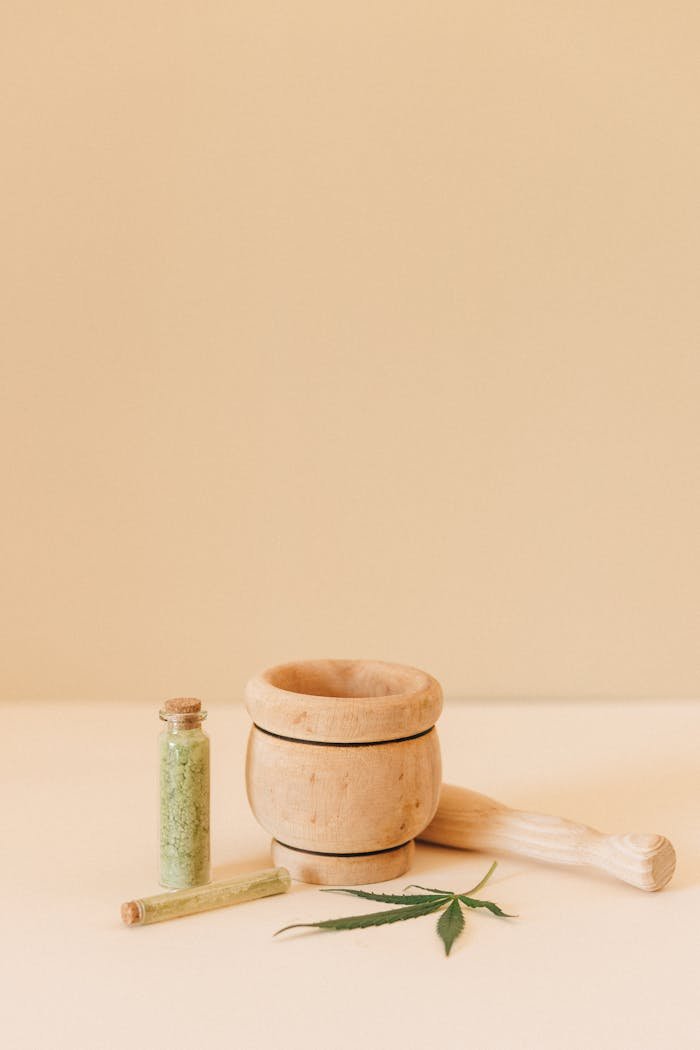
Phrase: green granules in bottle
(184,796)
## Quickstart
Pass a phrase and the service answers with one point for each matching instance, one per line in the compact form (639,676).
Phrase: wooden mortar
(344,771)
(343,766)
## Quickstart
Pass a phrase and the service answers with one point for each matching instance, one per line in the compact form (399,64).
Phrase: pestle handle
(468,820)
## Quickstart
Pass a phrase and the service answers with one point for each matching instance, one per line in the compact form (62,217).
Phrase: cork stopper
(184,711)
(183,705)
(131,913)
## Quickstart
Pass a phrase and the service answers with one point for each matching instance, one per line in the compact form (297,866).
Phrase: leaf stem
(483,882)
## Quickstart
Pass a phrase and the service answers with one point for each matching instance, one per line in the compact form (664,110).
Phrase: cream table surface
(588,963)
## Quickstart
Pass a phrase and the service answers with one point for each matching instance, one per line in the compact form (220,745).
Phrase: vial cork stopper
(131,913)
(183,705)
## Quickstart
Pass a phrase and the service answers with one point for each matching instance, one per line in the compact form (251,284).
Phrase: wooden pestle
(468,820)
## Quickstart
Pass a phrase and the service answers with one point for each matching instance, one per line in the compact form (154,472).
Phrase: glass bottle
(184,796)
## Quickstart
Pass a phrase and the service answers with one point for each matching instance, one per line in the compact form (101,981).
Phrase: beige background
(349,329)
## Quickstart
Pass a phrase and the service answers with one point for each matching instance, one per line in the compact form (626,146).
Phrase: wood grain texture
(343,799)
(468,820)
(314,795)
(354,768)
(340,701)
(361,870)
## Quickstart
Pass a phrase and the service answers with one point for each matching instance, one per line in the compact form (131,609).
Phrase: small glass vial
(184,796)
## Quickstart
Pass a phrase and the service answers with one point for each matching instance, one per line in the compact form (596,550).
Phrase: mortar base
(360,869)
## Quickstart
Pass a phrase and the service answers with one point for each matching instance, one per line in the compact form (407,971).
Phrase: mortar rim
(412,704)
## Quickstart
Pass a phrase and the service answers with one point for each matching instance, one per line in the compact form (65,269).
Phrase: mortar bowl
(343,766)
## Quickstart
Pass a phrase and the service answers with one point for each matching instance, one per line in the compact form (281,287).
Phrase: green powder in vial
(184,796)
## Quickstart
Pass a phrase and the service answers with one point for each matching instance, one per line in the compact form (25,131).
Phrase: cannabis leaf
(413,906)
(471,903)
(377,918)
(450,925)
(393,898)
